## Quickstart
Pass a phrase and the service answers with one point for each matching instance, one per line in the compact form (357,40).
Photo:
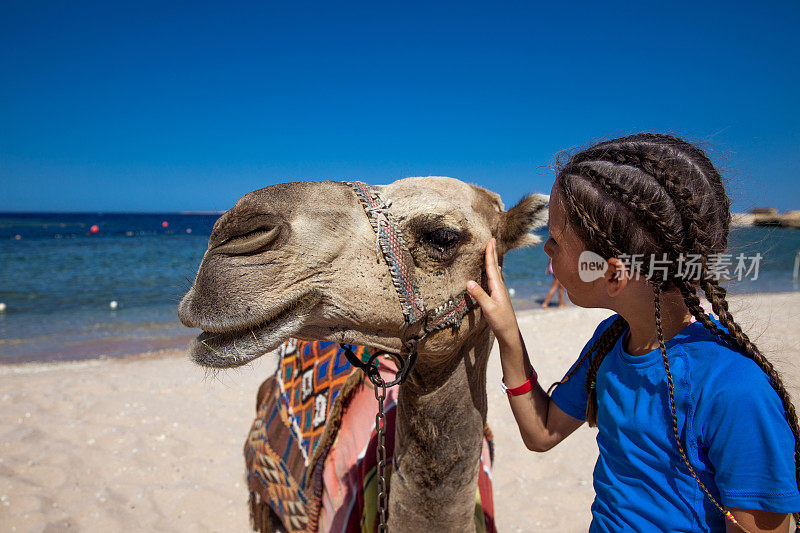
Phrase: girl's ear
(616,276)
(516,223)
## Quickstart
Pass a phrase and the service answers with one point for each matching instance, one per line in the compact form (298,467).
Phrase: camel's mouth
(238,347)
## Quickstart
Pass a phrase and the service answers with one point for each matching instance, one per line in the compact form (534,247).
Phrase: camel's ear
(515,226)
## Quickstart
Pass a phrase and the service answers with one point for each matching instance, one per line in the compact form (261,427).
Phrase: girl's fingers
(495,281)
(489,257)
(491,261)
(496,305)
(479,294)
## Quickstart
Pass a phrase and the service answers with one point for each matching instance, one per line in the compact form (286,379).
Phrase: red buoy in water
(165,224)
(95,229)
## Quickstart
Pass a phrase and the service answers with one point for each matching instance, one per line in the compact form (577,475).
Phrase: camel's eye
(441,244)
(441,238)
(434,238)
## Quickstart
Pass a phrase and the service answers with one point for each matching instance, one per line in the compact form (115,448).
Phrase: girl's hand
(496,305)
(542,424)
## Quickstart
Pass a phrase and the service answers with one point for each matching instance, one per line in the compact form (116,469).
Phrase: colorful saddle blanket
(310,453)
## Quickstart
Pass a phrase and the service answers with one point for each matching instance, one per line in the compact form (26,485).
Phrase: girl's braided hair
(659,196)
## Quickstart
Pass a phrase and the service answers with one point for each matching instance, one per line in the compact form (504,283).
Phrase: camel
(298,260)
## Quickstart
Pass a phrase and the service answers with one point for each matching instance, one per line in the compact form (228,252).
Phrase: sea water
(58,279)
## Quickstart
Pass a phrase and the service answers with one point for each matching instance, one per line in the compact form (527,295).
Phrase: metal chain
(380,424)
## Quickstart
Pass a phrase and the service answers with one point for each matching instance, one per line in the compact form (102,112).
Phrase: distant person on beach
(556,285)
(696,431)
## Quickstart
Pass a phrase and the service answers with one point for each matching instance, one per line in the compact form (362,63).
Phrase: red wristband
(522,389)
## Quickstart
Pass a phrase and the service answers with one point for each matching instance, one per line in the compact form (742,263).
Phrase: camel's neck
(441,414)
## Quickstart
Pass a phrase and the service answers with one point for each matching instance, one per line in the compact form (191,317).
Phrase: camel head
(300,260)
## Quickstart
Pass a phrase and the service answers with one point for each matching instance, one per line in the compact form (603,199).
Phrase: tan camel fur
(299,260)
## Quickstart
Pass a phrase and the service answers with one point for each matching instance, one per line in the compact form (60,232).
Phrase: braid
(589,226)
(736,337)
(671,182)
(693,303)
(608,342)
(673,411)
(632,201)
(697,158)
(715,294)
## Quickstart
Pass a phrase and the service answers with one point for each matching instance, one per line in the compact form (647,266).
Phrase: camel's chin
(239,347)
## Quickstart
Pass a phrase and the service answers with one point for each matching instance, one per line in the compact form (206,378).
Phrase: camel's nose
(249,242)
(263,219)
(249,227)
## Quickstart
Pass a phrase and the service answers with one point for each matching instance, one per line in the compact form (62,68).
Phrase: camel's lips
(236,347)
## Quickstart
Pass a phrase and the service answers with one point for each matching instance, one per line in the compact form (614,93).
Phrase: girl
(691,418)
(553,287)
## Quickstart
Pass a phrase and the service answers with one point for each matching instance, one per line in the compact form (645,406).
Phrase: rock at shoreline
(767,216)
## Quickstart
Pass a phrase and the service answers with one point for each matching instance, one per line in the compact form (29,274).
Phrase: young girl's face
(564,247)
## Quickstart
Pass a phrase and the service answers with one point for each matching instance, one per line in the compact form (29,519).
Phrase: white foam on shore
(37,368)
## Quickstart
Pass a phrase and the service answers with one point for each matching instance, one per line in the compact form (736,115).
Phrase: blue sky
(156,106)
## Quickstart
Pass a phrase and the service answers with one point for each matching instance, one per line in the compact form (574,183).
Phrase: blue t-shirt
(731,423)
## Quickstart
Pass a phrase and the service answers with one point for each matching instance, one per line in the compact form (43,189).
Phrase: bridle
(390,244)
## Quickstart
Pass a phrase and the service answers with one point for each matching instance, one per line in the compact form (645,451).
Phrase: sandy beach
(154,443)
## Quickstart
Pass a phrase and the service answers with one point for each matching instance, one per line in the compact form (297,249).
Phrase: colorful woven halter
(391,245)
